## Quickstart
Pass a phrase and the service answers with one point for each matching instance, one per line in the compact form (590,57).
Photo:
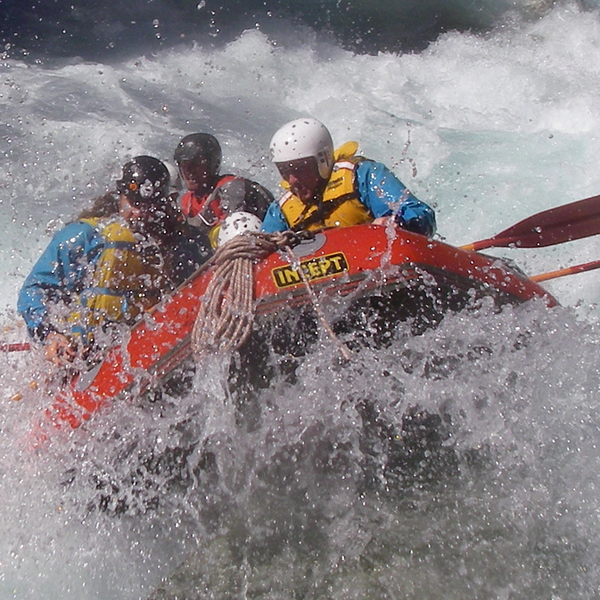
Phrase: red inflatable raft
(355,262)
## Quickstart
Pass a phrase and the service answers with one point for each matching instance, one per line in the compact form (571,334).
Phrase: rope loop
(226,313)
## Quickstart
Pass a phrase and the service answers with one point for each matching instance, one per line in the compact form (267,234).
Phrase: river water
(487,111)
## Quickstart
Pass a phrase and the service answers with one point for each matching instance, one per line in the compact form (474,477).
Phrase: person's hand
(58,349)
(381,221)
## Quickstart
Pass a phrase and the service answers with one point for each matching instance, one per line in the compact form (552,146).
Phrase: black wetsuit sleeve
(244,195)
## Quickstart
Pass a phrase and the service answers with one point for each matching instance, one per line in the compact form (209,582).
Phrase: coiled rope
(226,313)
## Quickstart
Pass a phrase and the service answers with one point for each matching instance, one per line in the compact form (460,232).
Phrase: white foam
(488,129)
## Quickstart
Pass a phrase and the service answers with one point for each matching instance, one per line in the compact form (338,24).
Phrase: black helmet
(144,179)
(200,146)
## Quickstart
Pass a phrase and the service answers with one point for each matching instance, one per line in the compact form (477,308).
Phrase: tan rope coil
(226,313)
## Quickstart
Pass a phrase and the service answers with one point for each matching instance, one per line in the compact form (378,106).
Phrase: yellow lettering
(279,277)
(337,261)
(291,276)
(313,270)
(325,264)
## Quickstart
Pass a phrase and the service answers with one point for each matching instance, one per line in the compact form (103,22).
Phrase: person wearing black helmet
(103,268)
(211,197)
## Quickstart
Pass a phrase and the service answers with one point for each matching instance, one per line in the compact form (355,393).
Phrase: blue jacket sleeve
(379,190)
(59,272)
(274,219)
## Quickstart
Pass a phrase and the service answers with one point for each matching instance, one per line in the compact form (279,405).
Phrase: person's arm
(416,216)
(274,219)
(257,199)
(380,189)
(240,194)
(184,252)
(57,274)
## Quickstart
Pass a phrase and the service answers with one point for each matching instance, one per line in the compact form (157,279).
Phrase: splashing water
(321,486)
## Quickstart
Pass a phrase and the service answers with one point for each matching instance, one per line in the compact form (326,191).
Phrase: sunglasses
(301,169)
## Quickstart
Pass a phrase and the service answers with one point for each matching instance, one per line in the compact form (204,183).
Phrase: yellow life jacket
(127,276)
(339,206)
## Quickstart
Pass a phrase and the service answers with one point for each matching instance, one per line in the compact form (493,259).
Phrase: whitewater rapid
(488,129)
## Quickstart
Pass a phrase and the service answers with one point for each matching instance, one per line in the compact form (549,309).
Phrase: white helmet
(237,223)
(303,138)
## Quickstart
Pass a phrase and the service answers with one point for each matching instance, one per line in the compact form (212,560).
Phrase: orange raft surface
(357,261)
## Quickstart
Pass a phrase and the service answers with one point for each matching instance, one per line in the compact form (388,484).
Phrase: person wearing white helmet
(336,188)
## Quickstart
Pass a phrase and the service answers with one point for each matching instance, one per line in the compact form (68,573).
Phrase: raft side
(336,264)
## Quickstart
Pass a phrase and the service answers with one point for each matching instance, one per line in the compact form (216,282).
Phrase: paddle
(567,271)
(15,347)
(561,224)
